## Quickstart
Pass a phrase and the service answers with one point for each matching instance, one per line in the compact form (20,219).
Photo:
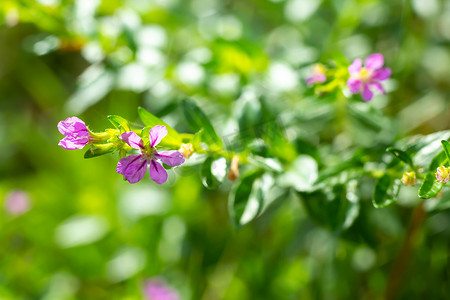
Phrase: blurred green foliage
(90,235)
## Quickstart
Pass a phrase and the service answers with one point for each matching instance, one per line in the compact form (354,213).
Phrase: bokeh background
(71,228)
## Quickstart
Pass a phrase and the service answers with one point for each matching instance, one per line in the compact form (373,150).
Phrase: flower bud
(233,174)
(443,174)
(409,178)
(187,150)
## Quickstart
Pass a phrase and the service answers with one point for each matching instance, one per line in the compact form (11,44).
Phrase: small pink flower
(134,167)
(17,202)
(318,75)
(362,79)
(76,132)
(157,289)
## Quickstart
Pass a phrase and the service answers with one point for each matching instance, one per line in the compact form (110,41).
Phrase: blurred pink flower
(17,202)
(157,289)
(362,79)
(318,75)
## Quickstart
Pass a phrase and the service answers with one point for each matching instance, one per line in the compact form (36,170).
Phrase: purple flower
(133,167)
(157,289)
(17,202)
(362,79)
(318,75)
(76,132)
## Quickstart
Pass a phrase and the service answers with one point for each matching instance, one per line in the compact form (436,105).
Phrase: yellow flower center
(318,69)
(365,75)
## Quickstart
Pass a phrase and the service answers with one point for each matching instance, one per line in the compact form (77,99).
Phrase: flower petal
(157,173)
(157,133)
(382,74)
(366,93)
(172,158)
(354,85)
(133,167)
(378,86)
(374,61)
(132,139)
(73,127)
(355,67)
(73,143)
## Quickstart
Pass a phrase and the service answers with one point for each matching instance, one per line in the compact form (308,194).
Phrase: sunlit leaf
(213,172)
(150,120)
(430,187)
(446,146)
(120,123)
(269,164)
(245,199)
(438,161)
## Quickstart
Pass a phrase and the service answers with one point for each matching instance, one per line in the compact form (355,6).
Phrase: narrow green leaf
(446,146)
(269,164)
(367,116)
(302,174)
(99,149)
(172,139)
(119,122)
(213,172)
(197,119)
(430,187)
(244,192)
(437,161)
(401,155)
(386,191)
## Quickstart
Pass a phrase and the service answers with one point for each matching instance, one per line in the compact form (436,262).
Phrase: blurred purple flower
(157,289)
(17,202)
(76,132)
(362,79)
(318,75)
(133,167)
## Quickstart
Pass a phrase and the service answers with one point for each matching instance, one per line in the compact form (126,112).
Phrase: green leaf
(302,174)
(197,119)
(99,149)
(401,155)
(430,187)
(213,172)
(248,111)
(438,161)
(119,122)
(173,138)
(446,146)
(268,164)
(367,116)
(244,201)
(386,191)
(335,207)
(424,147)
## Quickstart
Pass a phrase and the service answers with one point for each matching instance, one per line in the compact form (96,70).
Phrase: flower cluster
(132,167)
(358,78)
